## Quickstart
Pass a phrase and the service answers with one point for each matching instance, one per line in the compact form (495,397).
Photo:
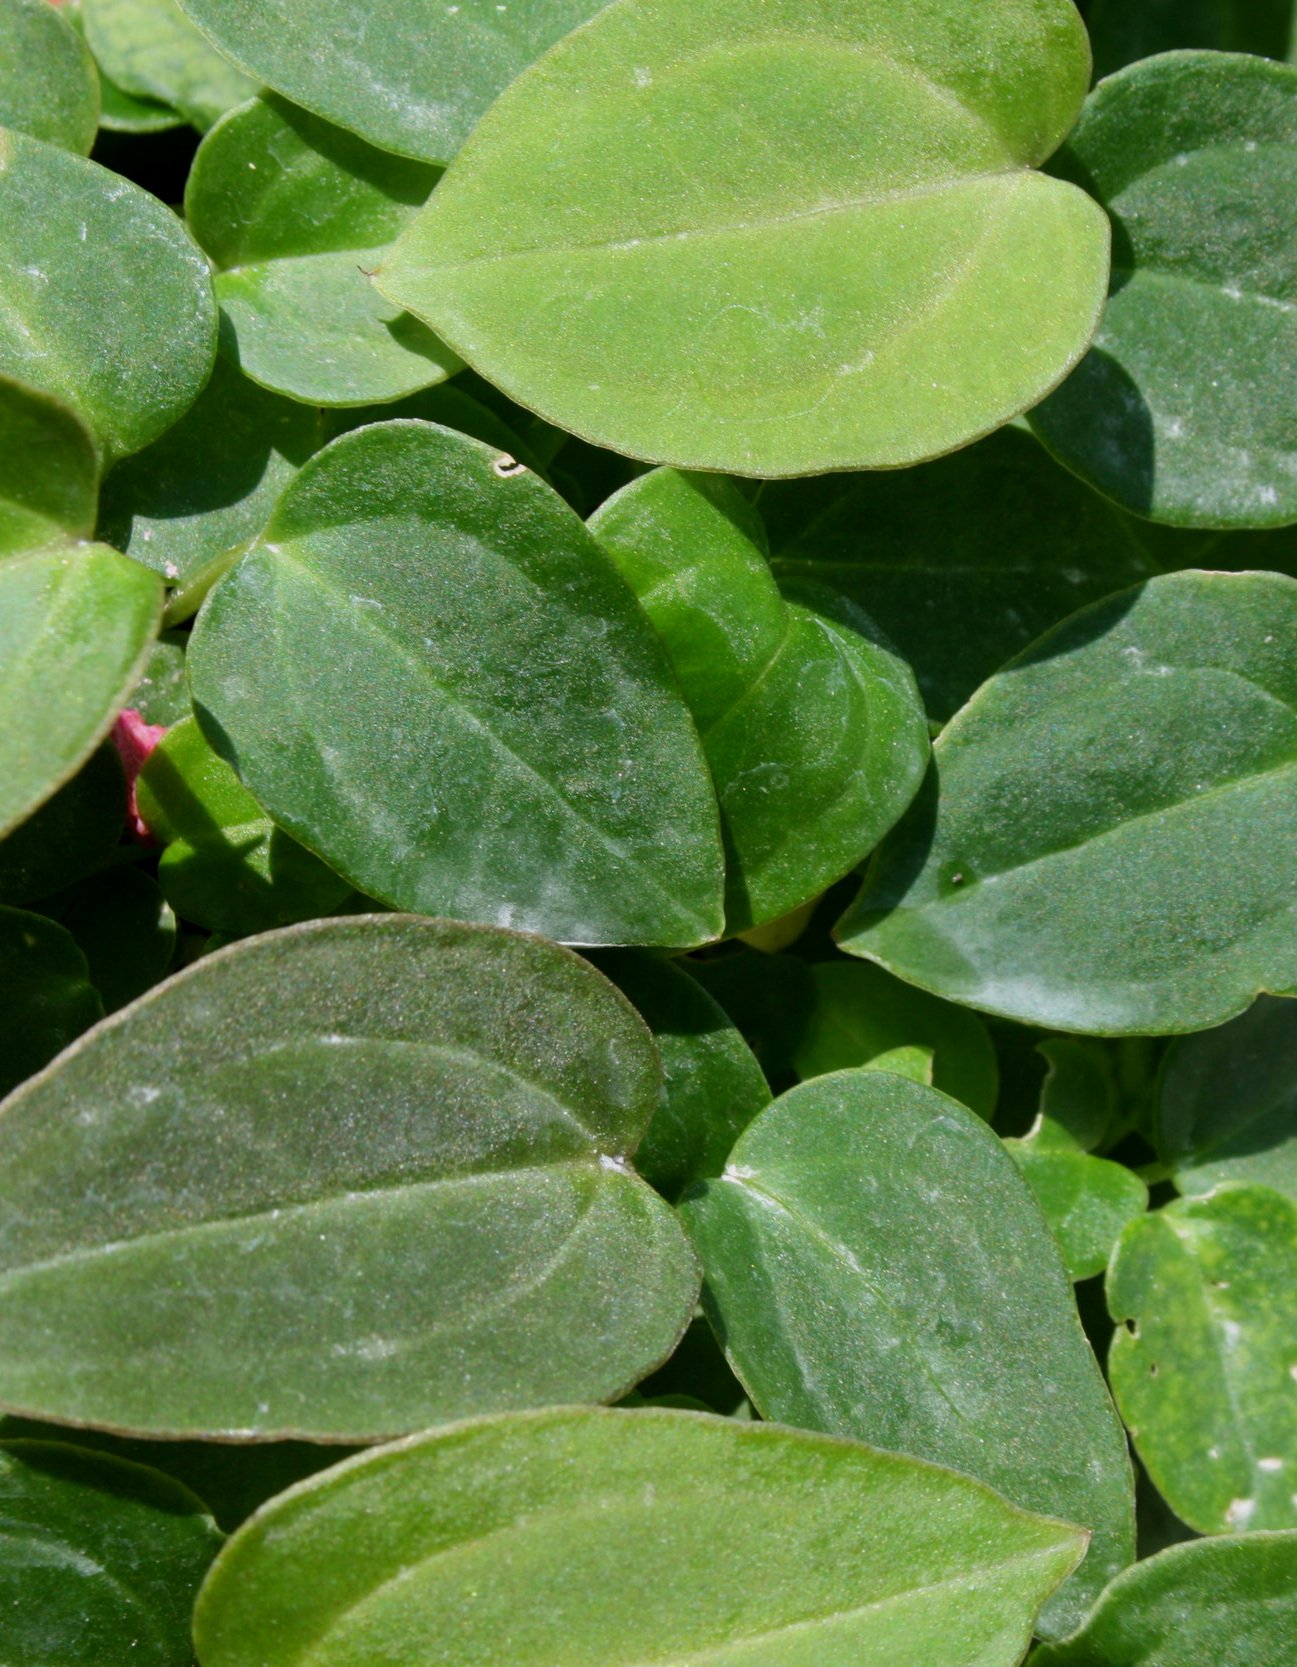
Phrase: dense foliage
(648,833)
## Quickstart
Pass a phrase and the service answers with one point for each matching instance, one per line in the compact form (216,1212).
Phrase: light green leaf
(411,76)
(712,1086)
(1186,408)
(48,85)
(297,212)
(1227,1106)
(773,240)
(152,51)
(75,630)
(102,1558)
(226,865)
(49,470)
(510,1539)
(1122,33)
(201,1237)
(97,273)
(429,673)
(962,562)
(1232,1599)
(864,1017)
(877,1267)
(811,724)
(1115,832)
(73,833)
(1203,1362)
(1078,1099)
(46,998)
(1086,1200)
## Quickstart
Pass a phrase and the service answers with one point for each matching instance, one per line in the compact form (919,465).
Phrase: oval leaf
(515,747)
(151,51)
(46,998)
(863,269)
(49,470)
(877,1268)
(201,1237)
(1086,1201)
(48,85)
(1115,832)
(439,1550)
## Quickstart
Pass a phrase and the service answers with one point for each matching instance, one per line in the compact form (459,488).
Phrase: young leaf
(963,561)
(876,1267)
(1231,1599)
(297,212)
(865,1017)
(773,240)
(46,998)
(411,76)
(75,630)
(511,1539)
(102,1558)
(1114,836)
(1185,410)
(1227,1105)
(48,85)
(1203,1362)
(151,51)
(203,1237)
(98,272)
(49,469)
(515,747)
(811,724)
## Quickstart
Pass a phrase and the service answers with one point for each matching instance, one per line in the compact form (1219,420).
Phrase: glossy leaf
(1232,1599)
(864,1017)
(48,85)
(84,313)
(1121,33)
(516,748)
(210,482)
(712,1086)
(75,629)
(49,470)
(71,835)
(411,76)
(102,1558)
(1228,1103)
(877,1267)
(46,998)
(509,1539)
(297,212)
(202,1238)
(125,929)
(1185,409)
(860,270)
(962,562)
(226,865)
(811,724)
(151,50)
(1203,1363)
(1110,844)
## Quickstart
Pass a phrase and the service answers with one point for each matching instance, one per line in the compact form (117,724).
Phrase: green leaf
(1086,1200)
(1079,1097)
(1114,835)
(864,1017)
(48,85)
(1186,410)
(162,695)
(773,240)
(1122,33)
(1227,1105)
(769,997)
(226,865)
(46,998)
(515,747)
(71,835)
(152,51)
(102,1558)
(712,1086)
(411,76)
(1231,1599)
(210,482)
(476,1241)
(876,1267)
(75,630)
(125,929)
(811,724)
(963,561)
(510,1539)
(296,212)
(49,469)
(1203,1362)
(97,273)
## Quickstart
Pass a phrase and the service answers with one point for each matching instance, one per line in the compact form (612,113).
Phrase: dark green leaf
(46,998)
(124,928)
(71,835)
(162,695)
(1122,33)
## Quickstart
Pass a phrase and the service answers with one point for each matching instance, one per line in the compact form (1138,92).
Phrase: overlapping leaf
(49,470)
(46,997)
(48,85)
(151,51)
